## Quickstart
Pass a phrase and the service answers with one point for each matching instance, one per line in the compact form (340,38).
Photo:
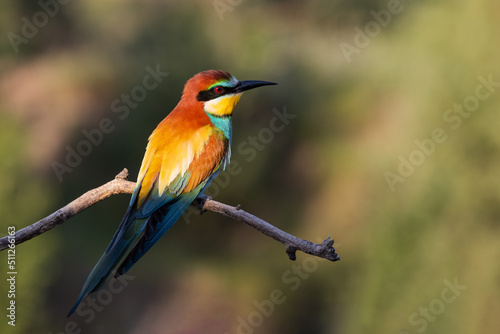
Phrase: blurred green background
(415,219)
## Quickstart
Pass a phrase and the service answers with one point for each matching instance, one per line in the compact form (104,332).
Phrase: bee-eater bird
(184,154)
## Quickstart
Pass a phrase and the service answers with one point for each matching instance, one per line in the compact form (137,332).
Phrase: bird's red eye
(218,89)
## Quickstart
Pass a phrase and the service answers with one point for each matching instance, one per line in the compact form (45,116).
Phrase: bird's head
(218,91)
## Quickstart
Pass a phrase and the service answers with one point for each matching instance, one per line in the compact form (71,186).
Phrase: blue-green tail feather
(136,234)
(158,224)
(124,239)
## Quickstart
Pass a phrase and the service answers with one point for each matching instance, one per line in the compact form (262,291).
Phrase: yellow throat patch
(223,105)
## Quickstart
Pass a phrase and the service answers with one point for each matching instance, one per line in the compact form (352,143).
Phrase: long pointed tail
(125,237)
(157,225)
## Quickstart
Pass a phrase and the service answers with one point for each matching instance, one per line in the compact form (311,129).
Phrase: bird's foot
(200,201)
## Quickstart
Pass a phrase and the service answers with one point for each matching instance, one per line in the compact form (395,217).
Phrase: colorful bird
(184,154)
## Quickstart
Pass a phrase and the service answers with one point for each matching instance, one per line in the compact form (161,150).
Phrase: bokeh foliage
(323,174)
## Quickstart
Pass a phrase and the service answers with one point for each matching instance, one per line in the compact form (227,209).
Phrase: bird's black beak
(251,84)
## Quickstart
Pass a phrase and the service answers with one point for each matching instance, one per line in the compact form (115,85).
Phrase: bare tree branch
(120,185)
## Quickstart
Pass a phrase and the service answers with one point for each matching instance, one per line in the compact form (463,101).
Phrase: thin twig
(292,243)
(120,185)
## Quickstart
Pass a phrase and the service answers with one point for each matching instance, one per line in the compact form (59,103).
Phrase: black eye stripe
(210,94)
